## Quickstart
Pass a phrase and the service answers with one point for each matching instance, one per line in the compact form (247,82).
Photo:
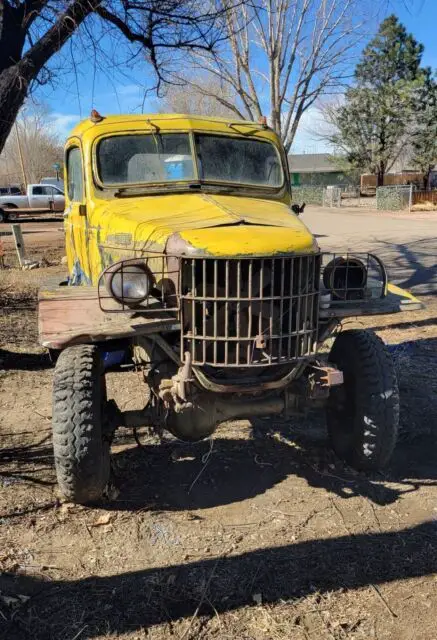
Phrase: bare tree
(40,147)
(187,98)
(282,56)
(32,31)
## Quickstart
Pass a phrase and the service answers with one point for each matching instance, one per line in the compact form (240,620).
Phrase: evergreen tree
(424,131)
(372,126)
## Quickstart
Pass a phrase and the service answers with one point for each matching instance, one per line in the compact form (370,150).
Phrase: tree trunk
(17,77)
(380,175)
(13,93)
(426,179)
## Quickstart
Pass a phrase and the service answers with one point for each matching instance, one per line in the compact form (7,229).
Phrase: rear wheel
(7,213)
(81,446)
(363,413)
(12,216)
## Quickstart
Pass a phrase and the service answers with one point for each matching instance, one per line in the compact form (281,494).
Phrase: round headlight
(130,284)
(345,278)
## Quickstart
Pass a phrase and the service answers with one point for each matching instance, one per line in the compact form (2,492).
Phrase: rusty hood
(203,224)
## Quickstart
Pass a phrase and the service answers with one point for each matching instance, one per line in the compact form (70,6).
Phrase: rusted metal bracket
(321,379)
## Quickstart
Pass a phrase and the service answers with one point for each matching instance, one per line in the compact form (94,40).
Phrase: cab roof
(89,128)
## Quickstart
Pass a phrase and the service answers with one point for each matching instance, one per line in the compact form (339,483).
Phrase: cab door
(39,197)
(75,216)
(58,199)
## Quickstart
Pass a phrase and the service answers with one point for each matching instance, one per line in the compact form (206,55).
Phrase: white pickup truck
(41,197)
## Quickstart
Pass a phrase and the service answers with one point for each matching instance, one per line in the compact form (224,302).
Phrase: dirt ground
(258,533)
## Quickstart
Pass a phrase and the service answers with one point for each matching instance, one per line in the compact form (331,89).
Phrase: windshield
(238,160)
(161,158)
(138,159)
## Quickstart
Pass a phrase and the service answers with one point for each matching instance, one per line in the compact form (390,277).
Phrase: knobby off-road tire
(363,413)
(81,447)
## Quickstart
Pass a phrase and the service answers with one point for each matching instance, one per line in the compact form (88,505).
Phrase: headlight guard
(352,277)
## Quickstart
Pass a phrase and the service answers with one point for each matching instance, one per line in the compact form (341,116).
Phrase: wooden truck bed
(72,315)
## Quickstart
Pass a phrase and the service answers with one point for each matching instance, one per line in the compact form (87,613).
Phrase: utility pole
(20,153)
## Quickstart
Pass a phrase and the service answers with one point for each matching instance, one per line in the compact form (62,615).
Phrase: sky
(85,86)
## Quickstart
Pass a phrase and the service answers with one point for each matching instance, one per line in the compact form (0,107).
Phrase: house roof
(311,163)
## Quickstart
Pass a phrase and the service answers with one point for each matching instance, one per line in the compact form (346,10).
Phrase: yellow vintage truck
(186,256)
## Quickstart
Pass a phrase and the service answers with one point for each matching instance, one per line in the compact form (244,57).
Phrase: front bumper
(229,313)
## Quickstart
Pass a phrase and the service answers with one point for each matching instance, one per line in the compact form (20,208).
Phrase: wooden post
(19,243)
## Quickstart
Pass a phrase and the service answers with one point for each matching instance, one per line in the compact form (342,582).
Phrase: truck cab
(45,196)
(145,182)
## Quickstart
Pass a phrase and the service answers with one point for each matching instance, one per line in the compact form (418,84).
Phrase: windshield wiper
(151,190)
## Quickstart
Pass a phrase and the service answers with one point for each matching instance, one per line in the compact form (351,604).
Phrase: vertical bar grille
(249,312)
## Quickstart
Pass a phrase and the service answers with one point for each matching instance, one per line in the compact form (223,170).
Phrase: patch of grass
(424,206)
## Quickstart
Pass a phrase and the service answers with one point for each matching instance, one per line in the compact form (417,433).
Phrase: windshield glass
(138,159)
(161,158)
(239,160)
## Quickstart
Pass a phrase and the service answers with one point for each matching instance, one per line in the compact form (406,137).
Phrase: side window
(74,175)
(38,191)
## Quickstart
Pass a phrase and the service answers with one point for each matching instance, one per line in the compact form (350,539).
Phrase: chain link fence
(346,196)
(394,198)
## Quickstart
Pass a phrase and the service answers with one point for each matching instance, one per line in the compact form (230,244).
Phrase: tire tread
(81,455)
(377,397)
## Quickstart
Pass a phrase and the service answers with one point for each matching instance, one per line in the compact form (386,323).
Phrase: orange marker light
(95,116)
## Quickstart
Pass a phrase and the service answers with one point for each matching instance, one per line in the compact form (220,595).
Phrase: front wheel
(81,446)
(363,413)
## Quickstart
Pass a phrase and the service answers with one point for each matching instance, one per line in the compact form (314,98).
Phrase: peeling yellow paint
(251,240)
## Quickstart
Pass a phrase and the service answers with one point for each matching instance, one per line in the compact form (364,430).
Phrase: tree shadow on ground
(412,265)
(31,464)
(134,601)
(167,477)
(235,469)
(228,469)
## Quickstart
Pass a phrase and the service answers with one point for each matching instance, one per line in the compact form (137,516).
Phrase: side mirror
(298,209)
(82,209)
